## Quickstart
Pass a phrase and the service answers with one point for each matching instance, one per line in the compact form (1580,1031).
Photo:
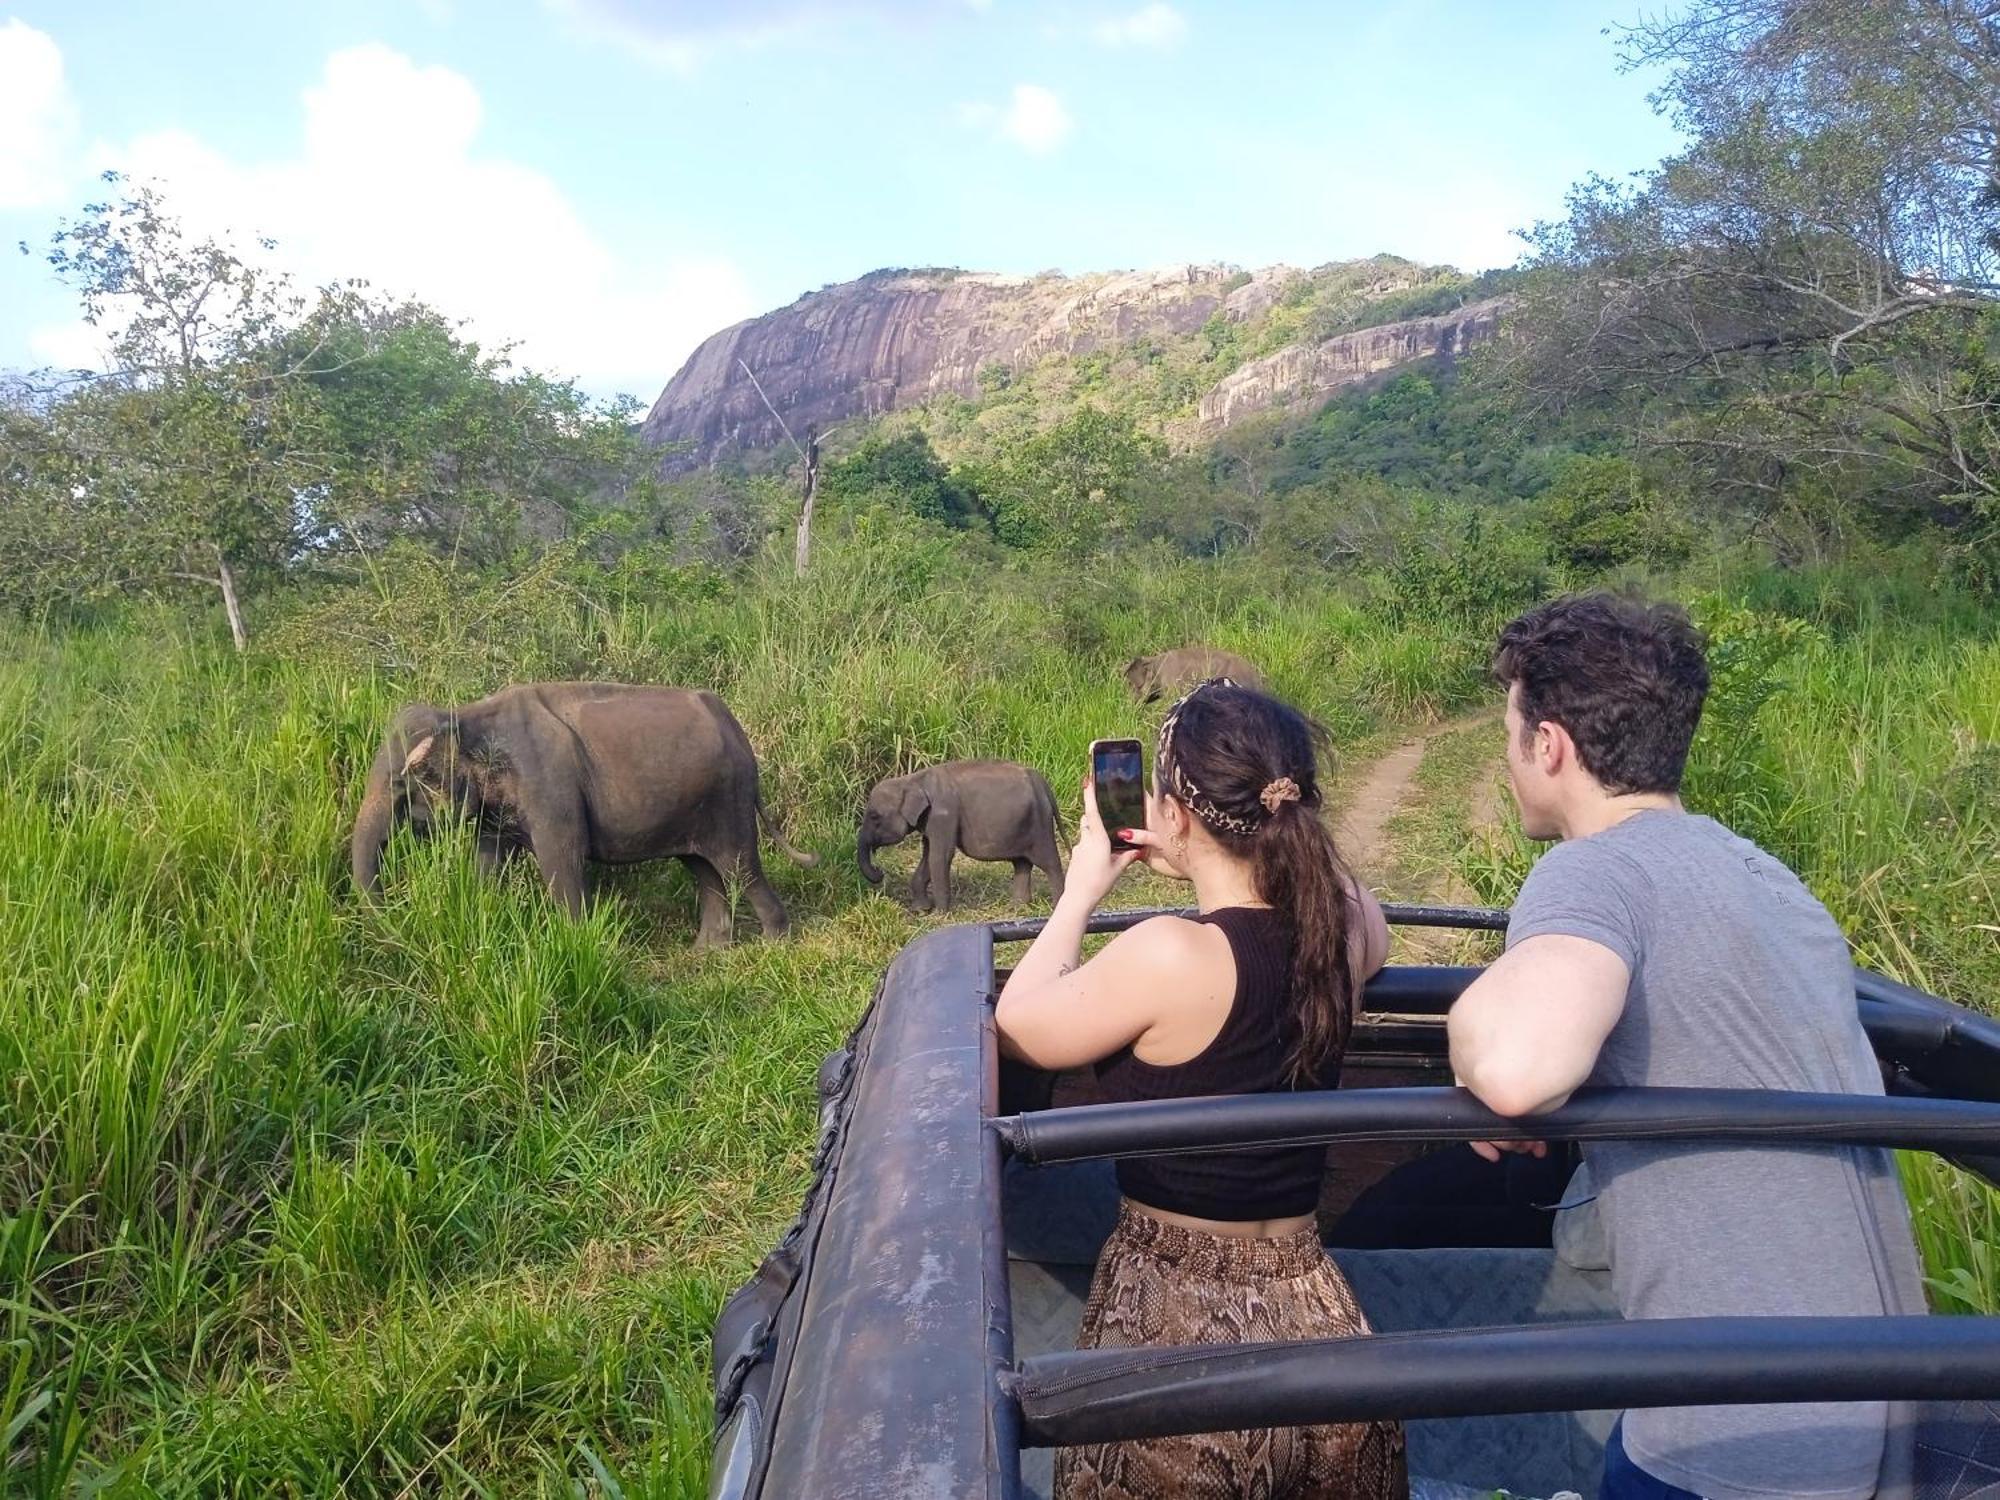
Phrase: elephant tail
(797,856)
(1048,800)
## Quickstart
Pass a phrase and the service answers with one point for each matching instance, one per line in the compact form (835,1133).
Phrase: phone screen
(1118,768)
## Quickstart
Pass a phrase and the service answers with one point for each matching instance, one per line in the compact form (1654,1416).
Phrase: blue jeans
(1625,1480)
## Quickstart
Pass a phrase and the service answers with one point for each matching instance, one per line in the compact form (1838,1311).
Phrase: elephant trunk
(371,828)
(864,851)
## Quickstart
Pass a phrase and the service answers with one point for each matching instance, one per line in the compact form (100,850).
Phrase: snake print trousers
(1159,1284)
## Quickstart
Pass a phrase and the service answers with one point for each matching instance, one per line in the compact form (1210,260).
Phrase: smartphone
(1118,770)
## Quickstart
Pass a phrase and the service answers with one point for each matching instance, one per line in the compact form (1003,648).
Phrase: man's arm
(1526,1033)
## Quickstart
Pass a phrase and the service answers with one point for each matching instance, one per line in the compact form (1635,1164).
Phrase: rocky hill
(1225,343)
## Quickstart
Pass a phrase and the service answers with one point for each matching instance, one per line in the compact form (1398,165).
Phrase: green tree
(1792,294)
(184,465)
(249,431)
(1074,487)
(432,437)
(1604,513)
(905,472)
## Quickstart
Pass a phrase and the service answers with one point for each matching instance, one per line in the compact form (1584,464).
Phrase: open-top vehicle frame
(910,1335)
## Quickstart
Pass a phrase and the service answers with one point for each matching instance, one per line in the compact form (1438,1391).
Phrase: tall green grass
(303,1197)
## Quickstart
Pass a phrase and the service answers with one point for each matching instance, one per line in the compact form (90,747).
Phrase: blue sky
(608,181)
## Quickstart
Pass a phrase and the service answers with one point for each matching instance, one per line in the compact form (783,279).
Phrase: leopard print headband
(1193,797)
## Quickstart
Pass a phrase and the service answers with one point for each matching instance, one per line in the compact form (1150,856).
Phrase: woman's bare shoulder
(1168,934)
(1169,948)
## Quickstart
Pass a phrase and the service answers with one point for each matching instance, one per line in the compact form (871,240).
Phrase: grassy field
(299,1197)
(307,1198)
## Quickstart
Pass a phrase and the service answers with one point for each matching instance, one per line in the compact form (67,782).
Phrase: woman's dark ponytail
(1246,765)
(1299,872)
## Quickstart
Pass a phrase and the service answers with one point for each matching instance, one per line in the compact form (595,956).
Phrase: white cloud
(391,187)
(1034,119)
(69,346)
(37,118)
(680,34)
(1155,25)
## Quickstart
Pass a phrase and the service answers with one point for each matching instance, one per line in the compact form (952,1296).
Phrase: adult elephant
(576,771)
(1166,673)
(990,809)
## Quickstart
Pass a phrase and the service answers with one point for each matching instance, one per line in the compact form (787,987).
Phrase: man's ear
(1554,749)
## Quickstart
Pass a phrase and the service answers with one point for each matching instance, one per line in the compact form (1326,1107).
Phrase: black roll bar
(1107,1395)
(1400,914)
(1229,1122)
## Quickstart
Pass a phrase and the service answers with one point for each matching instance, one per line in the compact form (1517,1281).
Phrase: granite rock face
(895,339)
(1303,373)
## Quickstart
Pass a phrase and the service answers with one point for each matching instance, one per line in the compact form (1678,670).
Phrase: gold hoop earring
(1179,842)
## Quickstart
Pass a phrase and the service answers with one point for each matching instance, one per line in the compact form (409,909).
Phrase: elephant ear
(916,804)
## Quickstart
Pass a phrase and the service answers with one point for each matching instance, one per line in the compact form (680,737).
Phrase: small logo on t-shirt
(1756,867)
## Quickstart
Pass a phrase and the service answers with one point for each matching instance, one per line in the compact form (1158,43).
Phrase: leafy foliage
(1074,488)
(1805,292)
(905,473)
(1603,512)
(251,433)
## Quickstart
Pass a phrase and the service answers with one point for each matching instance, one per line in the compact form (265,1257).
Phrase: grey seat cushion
(1958,1451)
(1535,1453)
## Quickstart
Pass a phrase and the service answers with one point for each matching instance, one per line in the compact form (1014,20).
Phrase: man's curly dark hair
(1626,678)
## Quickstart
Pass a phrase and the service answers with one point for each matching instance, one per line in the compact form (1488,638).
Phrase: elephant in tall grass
(1166,673)
(570,772)
(990,809)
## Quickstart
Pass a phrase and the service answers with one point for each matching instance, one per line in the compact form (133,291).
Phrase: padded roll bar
(1467,918)
(1229,1122)
(1105,1395)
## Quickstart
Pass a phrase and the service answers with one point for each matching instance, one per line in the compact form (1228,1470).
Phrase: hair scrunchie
(1278,793)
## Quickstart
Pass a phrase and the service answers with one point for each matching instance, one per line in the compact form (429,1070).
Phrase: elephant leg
(490,856)
(940,843)
(920,881)
(747,870)
(718,927)
(560,858)
(1023,873)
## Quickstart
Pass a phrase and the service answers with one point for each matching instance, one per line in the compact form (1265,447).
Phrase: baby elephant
(1169,673)
(991,809)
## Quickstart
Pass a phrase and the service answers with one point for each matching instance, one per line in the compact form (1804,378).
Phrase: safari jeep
(912,1334)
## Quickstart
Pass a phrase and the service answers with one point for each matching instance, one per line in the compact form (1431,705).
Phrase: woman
(1257,993)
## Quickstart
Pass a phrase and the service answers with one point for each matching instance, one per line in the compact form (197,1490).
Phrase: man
(1653,946)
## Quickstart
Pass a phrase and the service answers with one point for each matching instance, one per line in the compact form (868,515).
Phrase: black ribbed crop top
(1247,1057)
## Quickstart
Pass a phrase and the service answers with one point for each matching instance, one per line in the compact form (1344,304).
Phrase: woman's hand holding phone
(1094,865)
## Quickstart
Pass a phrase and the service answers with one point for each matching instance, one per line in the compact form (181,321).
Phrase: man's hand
(1491,1149)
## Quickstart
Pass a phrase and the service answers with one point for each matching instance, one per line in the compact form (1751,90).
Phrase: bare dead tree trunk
(809,456)
(804,548)
(227,581)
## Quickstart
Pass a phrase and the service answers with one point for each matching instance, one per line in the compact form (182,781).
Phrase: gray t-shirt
(1740,979)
